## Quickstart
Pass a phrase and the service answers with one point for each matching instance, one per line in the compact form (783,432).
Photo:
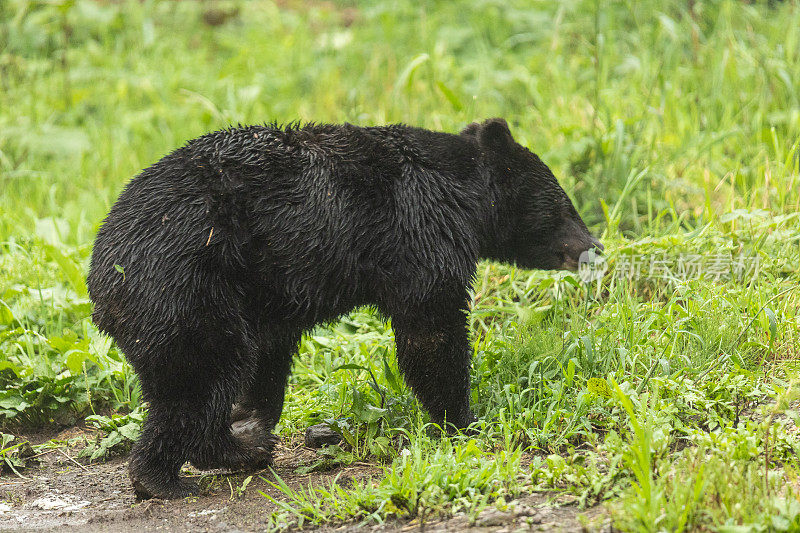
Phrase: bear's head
(535,224)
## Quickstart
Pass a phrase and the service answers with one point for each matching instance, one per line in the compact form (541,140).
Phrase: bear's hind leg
(157,457)
(190,384)
(218,447)
(191,427)
(257,412)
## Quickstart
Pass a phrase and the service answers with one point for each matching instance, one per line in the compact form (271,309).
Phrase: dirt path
(62,494)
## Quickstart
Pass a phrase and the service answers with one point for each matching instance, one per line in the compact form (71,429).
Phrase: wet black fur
(233,245)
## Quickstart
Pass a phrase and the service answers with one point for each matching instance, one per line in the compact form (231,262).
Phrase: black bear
(214,261)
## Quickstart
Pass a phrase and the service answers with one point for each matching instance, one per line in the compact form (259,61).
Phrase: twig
(51,450)
(65,454)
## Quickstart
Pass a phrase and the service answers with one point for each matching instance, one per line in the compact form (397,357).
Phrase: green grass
(676,130)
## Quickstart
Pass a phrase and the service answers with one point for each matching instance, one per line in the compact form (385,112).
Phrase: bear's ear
(471,130)
(495,135)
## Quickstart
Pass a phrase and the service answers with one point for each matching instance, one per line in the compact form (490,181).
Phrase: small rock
(319,435)
(458,523)
(211,513)
(493,518)
(524,510)
(533,519)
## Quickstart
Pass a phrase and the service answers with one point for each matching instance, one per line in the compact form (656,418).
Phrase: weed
(119,433)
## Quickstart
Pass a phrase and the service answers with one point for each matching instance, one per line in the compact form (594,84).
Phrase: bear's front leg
(433,353)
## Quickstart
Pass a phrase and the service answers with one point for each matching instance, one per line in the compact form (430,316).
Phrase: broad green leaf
(599,387)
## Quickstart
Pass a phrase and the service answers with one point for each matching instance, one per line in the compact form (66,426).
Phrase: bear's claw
(166,490)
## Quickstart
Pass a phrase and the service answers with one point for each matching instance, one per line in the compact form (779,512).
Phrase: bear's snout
(574,251)
(575,240)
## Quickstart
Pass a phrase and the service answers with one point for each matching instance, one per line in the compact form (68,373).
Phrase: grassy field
(664,392)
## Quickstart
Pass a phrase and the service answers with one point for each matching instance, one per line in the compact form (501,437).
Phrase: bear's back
(298,208)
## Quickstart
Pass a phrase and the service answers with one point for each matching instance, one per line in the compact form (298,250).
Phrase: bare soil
(64,493)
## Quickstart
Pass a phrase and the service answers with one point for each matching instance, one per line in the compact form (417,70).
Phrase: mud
(63,493)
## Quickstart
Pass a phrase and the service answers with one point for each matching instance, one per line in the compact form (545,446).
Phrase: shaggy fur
(233,245)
